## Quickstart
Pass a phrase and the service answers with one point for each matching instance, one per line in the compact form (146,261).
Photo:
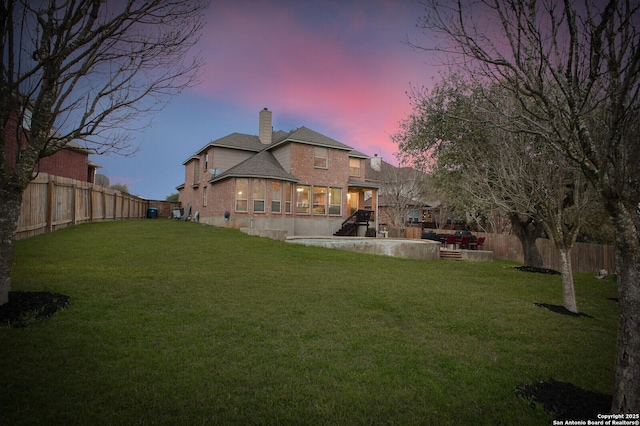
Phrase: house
(300,181)
(404,198)
(71,162)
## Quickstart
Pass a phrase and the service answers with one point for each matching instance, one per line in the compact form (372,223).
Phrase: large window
(276,197)
(242,195)
(287,197)
(319,200)
(354,167)
(259,195)
(335,201)
(320,157)
(303,199)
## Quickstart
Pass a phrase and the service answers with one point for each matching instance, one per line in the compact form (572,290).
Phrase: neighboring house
(403,197)
(300,181)
(70,162)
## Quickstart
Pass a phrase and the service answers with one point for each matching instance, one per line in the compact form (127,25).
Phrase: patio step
(450,254)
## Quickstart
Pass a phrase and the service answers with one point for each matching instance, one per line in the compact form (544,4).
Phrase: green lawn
(176,323)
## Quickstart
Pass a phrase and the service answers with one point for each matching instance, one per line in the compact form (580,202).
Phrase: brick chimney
(376,163)
(266,130)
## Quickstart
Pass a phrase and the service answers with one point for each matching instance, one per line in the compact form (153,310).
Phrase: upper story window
(320,157)
(354,167)
(26,119)
(196,172)
(206,161)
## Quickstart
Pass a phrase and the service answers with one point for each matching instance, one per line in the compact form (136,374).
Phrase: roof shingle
(261,165)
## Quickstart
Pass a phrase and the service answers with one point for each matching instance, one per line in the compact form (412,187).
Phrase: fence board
(52,202)
(584,257)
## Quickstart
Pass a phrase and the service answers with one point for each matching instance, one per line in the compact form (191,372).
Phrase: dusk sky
(341,68)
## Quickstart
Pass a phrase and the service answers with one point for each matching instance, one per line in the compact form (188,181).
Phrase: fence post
(91,203)
(74,202)
(50,189)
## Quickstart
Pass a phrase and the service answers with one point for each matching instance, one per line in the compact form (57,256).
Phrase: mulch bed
(565,400)
(28,307)
(537,270)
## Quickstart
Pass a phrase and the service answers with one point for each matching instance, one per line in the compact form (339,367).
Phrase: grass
(176,323)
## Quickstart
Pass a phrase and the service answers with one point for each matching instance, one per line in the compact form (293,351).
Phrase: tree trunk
(626,395)
(528,232)
(10,201)
(568,290)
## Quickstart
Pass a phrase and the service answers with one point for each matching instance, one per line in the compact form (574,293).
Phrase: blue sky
(339,67)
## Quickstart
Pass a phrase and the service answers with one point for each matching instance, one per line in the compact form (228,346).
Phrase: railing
(360,216)
(350,226)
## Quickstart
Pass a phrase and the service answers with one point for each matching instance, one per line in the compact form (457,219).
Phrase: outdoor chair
(475,244)
(450,240)
(464,242)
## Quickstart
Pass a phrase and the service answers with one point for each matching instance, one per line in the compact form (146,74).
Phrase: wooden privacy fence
(51,202)
(584,257)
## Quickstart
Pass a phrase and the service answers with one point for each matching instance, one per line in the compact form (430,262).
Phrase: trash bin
(152,213)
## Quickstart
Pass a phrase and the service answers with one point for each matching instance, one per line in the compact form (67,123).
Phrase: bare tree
(492,168)
(575,68)
(402,190)
(83,70)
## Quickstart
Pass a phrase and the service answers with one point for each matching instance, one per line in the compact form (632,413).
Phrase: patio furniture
(450,240)
(464,242)
(473,245)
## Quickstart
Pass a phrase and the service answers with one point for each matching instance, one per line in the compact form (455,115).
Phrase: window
(414,216)
(206,162)
(319,200)
(303,194)
(26,119)
(242,191)
(287,197)
(335,201)
(354,167)
(196,172)
(204,196)
(320,157)
(276,197)
(259,195)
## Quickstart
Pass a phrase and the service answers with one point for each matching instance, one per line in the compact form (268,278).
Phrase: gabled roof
(357,154)
(237,141)
(310,137)
(261,165)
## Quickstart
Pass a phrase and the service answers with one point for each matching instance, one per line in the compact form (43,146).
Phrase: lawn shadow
(561,310)
(28,307)
(565,400)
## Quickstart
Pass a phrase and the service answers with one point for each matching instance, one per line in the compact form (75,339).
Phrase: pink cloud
(348,74)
